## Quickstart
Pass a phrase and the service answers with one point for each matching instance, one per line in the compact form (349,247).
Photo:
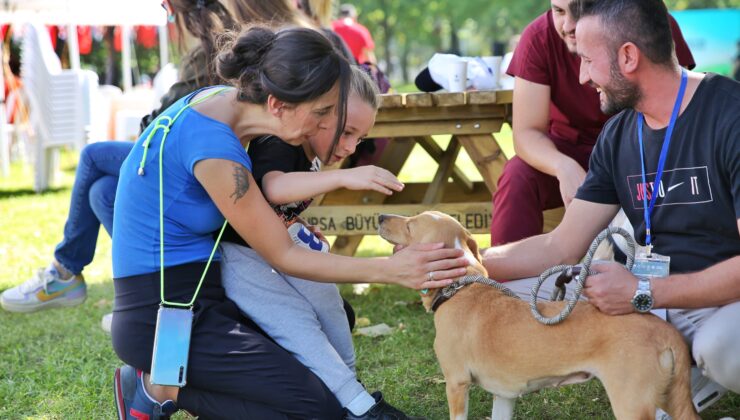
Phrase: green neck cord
(166,128)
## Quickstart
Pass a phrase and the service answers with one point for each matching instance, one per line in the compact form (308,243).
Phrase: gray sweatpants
(304,317)
(713,334)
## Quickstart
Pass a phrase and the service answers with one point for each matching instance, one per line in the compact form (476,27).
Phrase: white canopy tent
(71,13)
(83,12)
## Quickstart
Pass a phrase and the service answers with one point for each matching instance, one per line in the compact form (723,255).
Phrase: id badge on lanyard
(650,264)
(654,266)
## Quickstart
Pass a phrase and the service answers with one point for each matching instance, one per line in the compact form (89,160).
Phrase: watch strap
(643,284)
(643,291)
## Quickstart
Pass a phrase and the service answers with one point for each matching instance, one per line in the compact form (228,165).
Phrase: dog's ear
(472,245)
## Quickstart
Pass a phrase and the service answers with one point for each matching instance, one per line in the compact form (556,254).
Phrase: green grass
(58,364)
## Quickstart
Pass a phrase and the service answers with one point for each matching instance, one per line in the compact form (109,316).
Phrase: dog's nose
(381,218)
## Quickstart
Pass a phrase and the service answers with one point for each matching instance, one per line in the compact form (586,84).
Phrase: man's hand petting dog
(429,266)
(611,289)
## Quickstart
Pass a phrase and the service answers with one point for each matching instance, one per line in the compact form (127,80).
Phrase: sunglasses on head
(170,13)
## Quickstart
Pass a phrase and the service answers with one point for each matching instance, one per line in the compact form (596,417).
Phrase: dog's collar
(448,291)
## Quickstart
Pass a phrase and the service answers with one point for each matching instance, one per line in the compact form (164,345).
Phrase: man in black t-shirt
(627,55)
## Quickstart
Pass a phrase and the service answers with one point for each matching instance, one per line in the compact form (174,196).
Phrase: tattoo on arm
(241,178)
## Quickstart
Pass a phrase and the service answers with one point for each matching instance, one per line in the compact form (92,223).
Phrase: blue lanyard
(648,210)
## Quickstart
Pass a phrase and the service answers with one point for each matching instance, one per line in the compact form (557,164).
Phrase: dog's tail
(677,398)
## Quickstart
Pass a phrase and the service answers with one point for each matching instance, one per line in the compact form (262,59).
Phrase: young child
(304,317)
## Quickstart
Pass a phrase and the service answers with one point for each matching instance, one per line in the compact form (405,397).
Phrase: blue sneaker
(46,289)
(132,401)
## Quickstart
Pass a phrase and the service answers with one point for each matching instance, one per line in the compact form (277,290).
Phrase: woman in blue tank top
(292,84)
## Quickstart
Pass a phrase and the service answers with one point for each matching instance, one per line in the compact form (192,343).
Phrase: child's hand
(317,231)
(313,228)
(370,178)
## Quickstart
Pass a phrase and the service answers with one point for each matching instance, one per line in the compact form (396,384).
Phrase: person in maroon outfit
(555,121)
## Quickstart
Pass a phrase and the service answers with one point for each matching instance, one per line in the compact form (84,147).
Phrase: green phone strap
(164,123)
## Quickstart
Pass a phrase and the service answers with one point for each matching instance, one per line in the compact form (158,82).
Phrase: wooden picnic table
(413,118)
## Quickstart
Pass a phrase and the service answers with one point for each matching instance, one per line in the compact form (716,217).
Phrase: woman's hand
(426,266)
(370,178)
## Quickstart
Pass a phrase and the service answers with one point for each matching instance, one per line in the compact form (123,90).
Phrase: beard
(620,93)
(570,43)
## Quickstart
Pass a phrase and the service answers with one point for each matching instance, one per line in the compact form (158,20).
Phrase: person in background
(555,124)
(319,12)
(357,36)
(61,283)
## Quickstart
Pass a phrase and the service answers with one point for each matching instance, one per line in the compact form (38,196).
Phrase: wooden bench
(413,118)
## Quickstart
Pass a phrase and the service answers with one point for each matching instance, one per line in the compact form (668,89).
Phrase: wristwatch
(643,299)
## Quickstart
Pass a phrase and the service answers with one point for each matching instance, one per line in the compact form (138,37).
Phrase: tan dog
(488,338)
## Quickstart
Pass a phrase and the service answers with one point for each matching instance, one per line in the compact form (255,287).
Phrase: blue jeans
(93,195)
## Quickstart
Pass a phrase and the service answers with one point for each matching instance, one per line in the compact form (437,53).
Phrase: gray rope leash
(450,290)
(568,270)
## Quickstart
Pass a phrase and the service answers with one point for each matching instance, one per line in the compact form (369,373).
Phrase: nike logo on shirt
(673,187)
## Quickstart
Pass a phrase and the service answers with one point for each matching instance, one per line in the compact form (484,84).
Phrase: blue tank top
(190,216)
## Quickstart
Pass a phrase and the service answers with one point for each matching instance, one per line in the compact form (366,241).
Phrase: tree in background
(408,32)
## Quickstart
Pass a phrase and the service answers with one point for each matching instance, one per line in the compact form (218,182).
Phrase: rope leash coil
(582,273)
(450,290)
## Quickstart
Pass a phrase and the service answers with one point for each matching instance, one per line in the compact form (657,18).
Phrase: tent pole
(126,52)
(164,51)
(74,46)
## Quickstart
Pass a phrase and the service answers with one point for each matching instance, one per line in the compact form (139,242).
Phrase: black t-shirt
(695,216)
(269,154)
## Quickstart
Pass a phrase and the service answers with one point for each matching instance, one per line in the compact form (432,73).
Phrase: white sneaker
(106,322)
(704,392)
(46,289)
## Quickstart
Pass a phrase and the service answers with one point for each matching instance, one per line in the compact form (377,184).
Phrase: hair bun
(242,54)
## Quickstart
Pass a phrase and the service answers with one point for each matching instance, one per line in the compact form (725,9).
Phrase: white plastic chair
(57,102)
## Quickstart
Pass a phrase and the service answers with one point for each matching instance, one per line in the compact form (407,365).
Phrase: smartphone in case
(171,346)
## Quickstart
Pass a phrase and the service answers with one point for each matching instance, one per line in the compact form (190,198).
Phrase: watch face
(642,302)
